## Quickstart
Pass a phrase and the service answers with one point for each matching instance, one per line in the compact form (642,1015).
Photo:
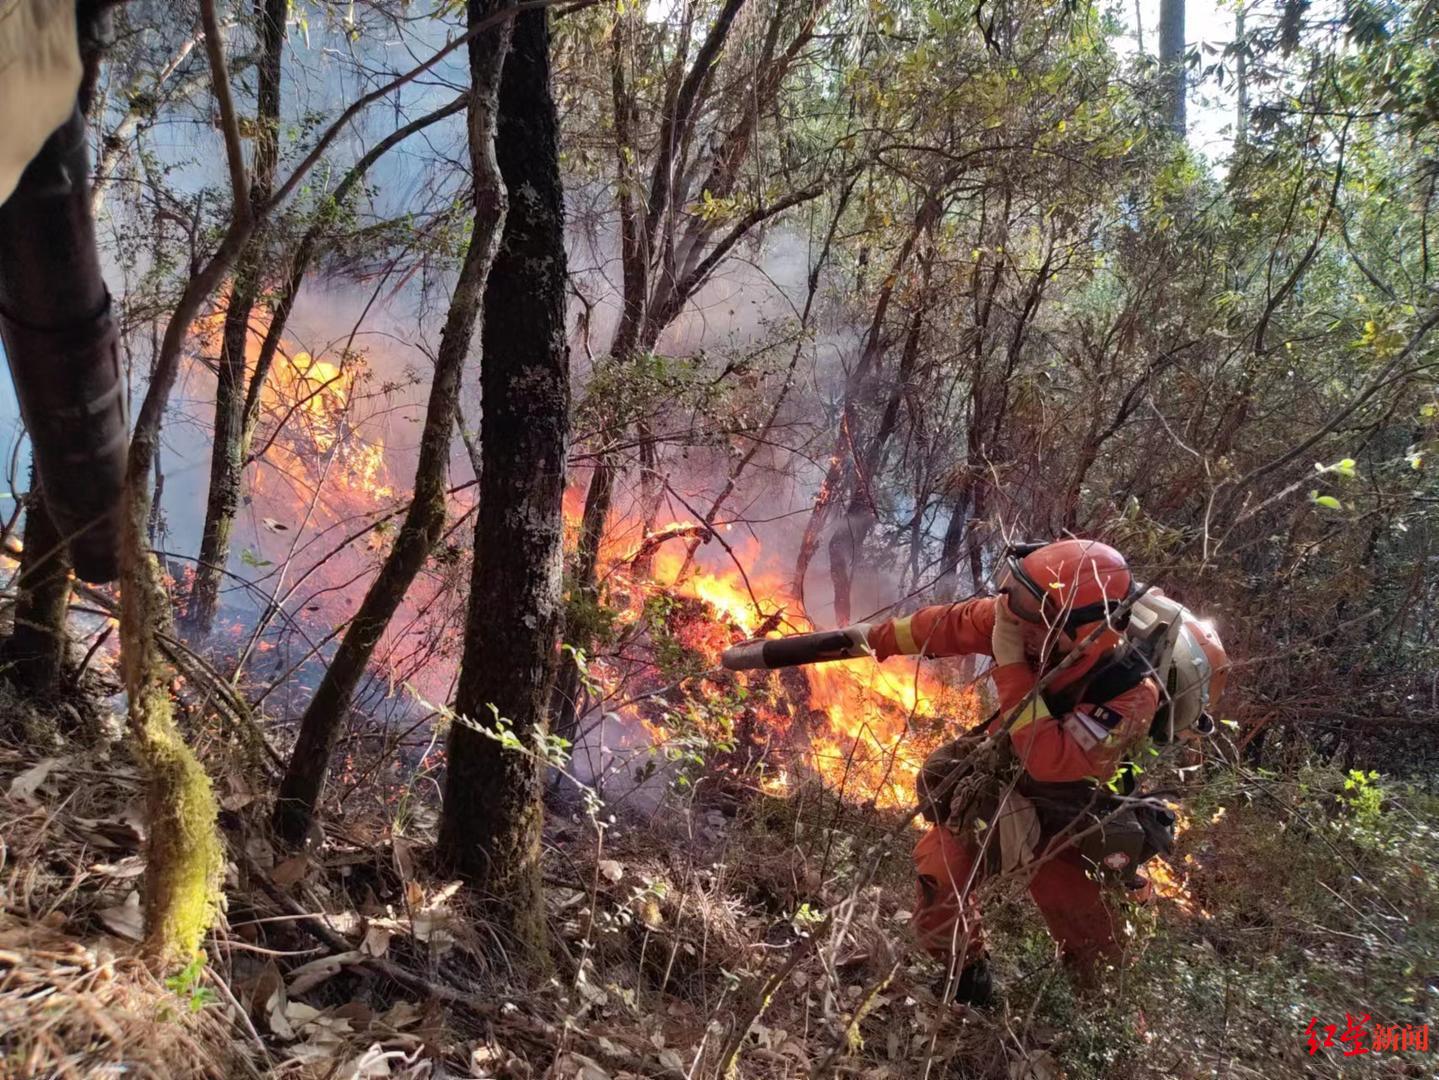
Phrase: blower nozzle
(846,643)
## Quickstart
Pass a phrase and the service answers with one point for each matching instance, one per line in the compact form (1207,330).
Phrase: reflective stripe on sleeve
(904,635)
(1027,715)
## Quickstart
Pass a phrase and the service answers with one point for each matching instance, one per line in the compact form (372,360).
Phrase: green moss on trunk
(183,875)
(184,861)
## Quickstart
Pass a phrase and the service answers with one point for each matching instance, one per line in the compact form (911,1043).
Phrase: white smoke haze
(301,555)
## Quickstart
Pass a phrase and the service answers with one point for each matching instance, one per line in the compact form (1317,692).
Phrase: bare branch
(229,125)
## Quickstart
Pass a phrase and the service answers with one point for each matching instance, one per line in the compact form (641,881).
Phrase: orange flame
(315,400)
(320,474)
(868,727)
(861,727)
(308,423)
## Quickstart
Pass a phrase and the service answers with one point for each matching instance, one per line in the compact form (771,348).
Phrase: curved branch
(220,80)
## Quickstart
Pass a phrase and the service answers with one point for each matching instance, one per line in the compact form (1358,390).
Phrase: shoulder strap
(1120,673)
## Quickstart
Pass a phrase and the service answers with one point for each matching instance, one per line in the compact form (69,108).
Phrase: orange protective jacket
(1087,742)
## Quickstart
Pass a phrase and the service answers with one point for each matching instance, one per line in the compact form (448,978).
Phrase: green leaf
(1329,502)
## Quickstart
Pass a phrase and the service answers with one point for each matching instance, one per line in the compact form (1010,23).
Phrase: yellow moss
(184,859)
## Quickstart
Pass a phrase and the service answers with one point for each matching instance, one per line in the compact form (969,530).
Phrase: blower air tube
(845,643)
(63,349)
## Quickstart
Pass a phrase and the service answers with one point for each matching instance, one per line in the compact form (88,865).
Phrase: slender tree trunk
(952,546)
(1171,62)
(34,654)
(227,456)
(846,547)
(652,493)
(490,830)
(425,520)
(565,701)
(183,857)
(1241,81)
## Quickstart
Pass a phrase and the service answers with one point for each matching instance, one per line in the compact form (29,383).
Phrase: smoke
(316,519)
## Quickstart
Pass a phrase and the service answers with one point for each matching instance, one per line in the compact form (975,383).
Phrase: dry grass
(69,1008)
(722,936)
(75,1000)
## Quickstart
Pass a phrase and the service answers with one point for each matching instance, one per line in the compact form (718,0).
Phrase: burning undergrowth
(655,692)
(656,710)
(327,468)
(326,488)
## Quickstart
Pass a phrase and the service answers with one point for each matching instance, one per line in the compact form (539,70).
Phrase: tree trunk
(425,520)
(1241,81)
(490,831)
(652,493)
(34,654)
(1171,62)
(227,456)
(846,546)
(565,702)
(62,343)
(952,546)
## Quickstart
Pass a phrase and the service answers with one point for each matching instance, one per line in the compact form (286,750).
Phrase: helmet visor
(1026,599)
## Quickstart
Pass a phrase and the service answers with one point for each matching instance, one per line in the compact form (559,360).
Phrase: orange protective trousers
(947,920)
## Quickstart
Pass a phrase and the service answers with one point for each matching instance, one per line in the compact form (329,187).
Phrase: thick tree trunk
(62,343)
(490,831)
(1171,61)
(34,654)
(227,456)
(425,519)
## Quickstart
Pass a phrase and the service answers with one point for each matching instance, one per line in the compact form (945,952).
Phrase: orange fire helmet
(1069,582)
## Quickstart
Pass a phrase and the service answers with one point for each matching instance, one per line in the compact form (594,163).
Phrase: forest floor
(730,934)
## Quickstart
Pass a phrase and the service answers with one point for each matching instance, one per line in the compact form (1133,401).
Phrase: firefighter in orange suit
(1051,598)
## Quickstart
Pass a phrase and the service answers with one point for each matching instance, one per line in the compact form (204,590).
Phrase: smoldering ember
(717,539)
